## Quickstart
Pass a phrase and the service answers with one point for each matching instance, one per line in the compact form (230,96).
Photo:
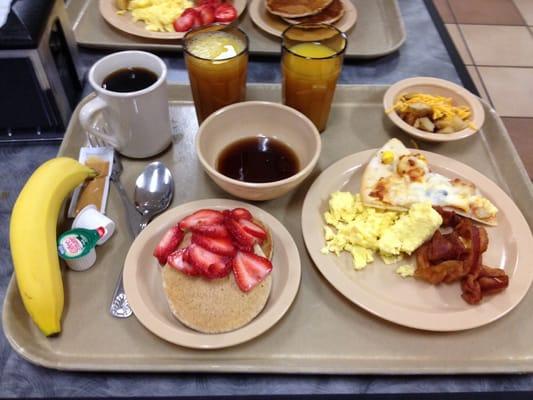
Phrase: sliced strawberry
(186,257)
(241,213)
(170,242)
(218,270)
(204,216)
(227,214)
(244,247)
(250,269)
(184,22)
(222,246)
(211,265)
(197,22)
(207,13)
(238,233)
(190,10)
(253,229)
(212,3)
(176,260)
(217,231)
(225,13)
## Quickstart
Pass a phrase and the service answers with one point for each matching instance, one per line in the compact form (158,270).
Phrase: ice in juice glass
(217,60)
(311,61)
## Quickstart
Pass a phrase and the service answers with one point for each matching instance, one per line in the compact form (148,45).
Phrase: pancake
(328,15)
(296,8)
(213,306)
(216,305)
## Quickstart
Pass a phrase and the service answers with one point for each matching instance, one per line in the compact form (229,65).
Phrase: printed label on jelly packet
(77,242)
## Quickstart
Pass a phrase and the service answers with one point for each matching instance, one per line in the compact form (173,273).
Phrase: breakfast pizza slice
(395,178)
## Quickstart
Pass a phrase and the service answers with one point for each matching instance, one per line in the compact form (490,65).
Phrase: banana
(32,237)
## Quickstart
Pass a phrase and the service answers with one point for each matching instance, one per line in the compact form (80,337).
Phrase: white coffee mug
(138,123)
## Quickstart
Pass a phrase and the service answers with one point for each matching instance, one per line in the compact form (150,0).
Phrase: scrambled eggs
(158,15)
(406,271)
(361,230)
(410,230)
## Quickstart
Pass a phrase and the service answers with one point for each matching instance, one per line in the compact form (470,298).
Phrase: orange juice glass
(217,60)
(311,62)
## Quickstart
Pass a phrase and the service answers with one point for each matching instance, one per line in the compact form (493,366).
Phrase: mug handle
(87,119)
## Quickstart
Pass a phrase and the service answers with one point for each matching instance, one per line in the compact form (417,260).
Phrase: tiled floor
(495,41)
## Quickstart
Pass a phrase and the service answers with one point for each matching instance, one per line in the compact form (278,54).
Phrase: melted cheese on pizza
(399,178)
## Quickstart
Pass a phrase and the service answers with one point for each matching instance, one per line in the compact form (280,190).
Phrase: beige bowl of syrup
(258,150)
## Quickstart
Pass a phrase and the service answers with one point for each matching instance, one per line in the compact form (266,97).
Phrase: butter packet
(96,190)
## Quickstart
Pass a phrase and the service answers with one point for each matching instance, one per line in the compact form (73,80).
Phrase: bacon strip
(458,256)
(445,247)
(449,218)
(471,290)
(447,271)
(492,280)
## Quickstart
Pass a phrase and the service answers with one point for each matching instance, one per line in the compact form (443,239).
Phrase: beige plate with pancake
(126,24)
(379,290)
(275,25)
(142,280)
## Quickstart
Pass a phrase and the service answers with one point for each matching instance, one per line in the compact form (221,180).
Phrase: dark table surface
(424,53)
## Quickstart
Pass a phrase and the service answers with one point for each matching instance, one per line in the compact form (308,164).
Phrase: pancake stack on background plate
(306,11)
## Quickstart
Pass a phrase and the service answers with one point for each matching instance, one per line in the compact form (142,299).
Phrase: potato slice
(420,109)
(426,124)
(447,129)
(458,124)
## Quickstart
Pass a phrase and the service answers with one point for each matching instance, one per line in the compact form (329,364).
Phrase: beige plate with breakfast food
(437,87)
(125,23)
(275,25)
(143,285)
(406,301)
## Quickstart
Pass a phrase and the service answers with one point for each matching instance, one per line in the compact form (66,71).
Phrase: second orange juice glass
(311,62)
(217,60)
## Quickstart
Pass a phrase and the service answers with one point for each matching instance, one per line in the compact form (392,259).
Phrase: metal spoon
(154,188)
(153,191)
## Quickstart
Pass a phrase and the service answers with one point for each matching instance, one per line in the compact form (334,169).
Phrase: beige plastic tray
(322,332)
(379,31)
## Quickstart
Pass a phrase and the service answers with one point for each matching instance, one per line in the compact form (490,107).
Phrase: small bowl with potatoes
(433,109)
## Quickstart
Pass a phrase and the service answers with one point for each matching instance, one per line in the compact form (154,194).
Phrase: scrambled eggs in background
(158,15)
(406,271)
(362,231)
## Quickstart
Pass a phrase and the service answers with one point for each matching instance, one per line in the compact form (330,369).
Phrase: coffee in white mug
(131,96)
